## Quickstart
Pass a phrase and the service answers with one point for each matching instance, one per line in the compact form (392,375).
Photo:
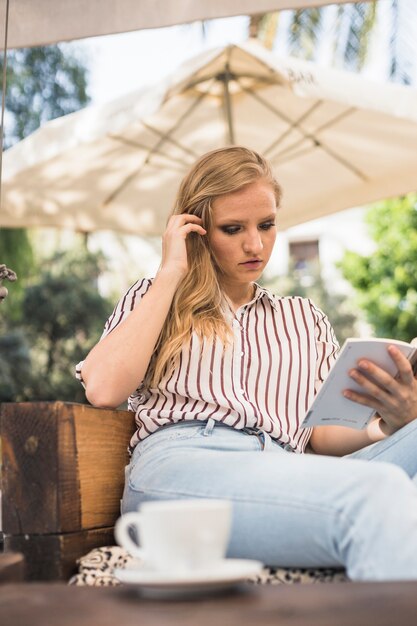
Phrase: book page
(329,405)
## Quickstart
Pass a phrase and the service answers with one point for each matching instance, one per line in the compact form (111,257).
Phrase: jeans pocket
(164,436)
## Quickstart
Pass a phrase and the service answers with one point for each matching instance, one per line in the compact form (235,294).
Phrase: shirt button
(242,354)
(236,322)
(242,391)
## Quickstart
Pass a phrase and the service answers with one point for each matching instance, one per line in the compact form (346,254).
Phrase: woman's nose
(253,243)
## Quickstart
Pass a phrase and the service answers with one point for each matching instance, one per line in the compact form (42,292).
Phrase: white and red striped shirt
(267,377)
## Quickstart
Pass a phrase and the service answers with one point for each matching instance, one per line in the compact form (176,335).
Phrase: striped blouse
(266,377)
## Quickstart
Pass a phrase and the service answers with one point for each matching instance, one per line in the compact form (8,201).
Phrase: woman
(220,373)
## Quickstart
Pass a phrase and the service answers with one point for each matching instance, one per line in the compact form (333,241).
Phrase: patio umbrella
(49,21)
(335,141)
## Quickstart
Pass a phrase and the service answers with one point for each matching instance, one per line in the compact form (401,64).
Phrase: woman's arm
(116,366)
(395,400)
(340,440)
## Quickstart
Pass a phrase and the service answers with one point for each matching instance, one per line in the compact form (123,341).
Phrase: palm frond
(264,26)
(362,20)
(304,32)
(402,44)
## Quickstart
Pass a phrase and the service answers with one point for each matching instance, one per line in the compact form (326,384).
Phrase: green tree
(63,317)
(338,307)
(63,313)
(42,84)
(16,252)
(15,366)
(386,281)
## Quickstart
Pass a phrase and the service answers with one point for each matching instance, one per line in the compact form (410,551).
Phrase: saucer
(226,573)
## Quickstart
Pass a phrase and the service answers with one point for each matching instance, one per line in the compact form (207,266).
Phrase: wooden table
(341,604)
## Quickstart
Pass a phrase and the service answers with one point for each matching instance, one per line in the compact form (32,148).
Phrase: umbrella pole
(225,78)
(3,94)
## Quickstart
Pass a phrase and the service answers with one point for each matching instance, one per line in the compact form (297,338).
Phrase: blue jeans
(291,510)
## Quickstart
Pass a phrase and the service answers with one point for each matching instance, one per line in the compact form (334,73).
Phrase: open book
(330,406)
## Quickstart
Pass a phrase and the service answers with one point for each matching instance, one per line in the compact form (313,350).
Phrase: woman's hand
(395,399)
(174,250)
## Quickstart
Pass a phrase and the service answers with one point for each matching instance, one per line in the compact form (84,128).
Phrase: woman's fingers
(361,398)
(372,378)
(395,398)
(184,216)
(405,370)
(193,228)
(184,224)
(174,251)
(368,373)
(176,221)
(371,390)
(181,228)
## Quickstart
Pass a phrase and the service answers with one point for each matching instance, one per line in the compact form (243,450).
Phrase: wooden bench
(62,480)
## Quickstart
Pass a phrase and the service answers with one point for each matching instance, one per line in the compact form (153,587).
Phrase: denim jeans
(291,510)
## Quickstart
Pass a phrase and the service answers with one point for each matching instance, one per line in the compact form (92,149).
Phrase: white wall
(342,231)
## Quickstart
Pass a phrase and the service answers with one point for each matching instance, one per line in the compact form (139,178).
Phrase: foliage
(62,318)
(387,280)
(15,372)
(360,19)
(16,252)
(263,26)
(305,31)
(42,84)
(402,41)
(338,307)
(346,32)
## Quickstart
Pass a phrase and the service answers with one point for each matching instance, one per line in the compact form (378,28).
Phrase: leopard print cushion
(96,569)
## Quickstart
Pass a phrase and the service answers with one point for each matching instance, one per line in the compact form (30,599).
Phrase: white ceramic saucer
(226,573)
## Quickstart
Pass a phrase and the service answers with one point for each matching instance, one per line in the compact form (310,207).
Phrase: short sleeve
(121,311)
(327,346)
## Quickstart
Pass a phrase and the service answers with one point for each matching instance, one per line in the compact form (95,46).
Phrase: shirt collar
(261,292)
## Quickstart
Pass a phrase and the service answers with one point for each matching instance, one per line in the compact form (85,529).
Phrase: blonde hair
(197,304)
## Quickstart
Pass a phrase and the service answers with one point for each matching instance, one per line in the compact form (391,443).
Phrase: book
(330,406)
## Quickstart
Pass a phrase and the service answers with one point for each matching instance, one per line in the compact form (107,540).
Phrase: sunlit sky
(122,63)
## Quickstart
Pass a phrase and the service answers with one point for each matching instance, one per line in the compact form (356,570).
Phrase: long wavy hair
(199,300)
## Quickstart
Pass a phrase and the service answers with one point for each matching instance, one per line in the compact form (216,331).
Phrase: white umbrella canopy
(43,22)
(334,139)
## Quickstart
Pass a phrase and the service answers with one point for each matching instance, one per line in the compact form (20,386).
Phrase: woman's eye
(230,230)
(267,225)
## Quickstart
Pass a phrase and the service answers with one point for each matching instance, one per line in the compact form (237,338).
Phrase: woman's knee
(383,484)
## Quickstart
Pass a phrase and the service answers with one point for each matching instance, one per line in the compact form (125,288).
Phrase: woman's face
(243,232)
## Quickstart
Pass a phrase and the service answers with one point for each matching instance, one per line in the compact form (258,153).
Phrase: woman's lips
(252,265)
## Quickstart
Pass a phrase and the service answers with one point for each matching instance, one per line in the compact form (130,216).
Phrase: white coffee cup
(177,535)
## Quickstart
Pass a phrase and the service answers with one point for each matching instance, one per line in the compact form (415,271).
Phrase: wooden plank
(68,516)
(40,489)
(53,557)
(63,466)
(102,440)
